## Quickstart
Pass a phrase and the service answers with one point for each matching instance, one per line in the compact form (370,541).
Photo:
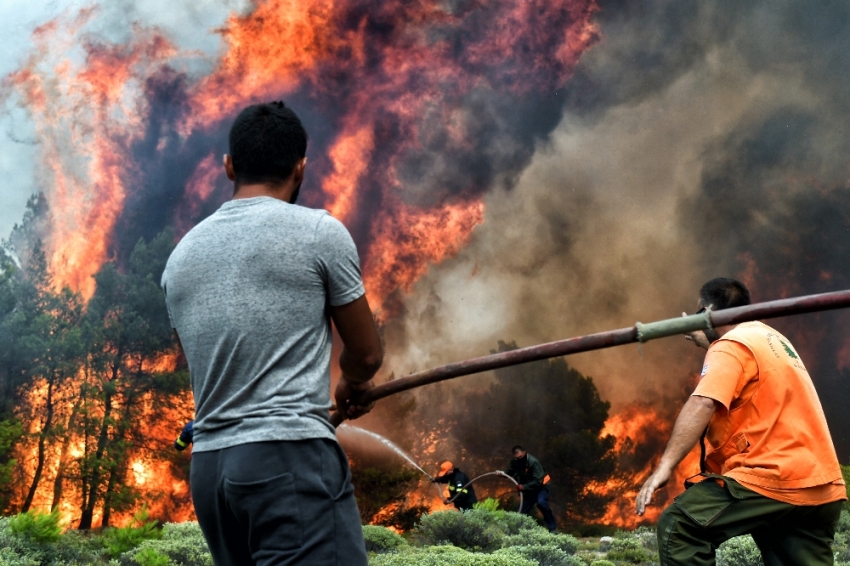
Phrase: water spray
(638,333)
(389,444)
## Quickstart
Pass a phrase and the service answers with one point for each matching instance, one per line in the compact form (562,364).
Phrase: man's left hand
(658,479)
(347,394)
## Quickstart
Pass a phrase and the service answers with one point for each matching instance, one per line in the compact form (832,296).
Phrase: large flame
(641,434)
(395,85)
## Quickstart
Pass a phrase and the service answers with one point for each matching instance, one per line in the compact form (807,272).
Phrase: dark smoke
(697,140)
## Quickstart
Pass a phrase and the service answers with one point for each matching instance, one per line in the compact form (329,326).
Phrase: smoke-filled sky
(695,139)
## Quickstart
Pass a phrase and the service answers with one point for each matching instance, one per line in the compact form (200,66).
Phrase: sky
(190,24)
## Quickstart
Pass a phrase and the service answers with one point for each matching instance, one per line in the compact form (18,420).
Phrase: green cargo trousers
(711,512)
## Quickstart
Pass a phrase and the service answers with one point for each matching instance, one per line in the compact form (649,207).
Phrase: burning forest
(511,172)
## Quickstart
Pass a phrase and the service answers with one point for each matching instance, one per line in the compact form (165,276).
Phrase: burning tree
(89,395)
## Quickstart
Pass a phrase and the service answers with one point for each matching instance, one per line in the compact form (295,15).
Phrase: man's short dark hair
(517,448)
(724,293)
(266,142)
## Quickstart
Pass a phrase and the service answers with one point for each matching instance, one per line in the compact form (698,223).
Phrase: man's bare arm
(362,354)
(690,424)
(361,357)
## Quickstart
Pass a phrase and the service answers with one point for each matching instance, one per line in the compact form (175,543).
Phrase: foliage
(151,557)
(9,557)
(630,549)
(843,522)
(447,556)
(473,529)
(119,540)
(490,504)
(381,539)
(602,563)
(182,543)
(463,529)
(70,549)
(37,526)
(739,551)
(543,555)
(542,537)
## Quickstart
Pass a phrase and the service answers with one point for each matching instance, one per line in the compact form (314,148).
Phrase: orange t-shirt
(730,376)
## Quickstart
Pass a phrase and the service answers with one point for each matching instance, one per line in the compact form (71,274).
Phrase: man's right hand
(347,394)
(658,479)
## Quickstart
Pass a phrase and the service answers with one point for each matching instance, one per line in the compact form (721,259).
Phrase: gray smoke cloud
(699,140)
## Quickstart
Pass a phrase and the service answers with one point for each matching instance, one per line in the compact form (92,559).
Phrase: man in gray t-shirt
(251,292)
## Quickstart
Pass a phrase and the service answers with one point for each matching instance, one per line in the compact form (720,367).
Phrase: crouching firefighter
(186,435)
(461,494)
(533,482)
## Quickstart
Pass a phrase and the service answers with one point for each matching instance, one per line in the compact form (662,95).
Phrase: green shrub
(543,555)
(37,526)
(542,537)
(119,540)
(843,522)
(150,557)
(602,563)
(739,551)
(182,543)
(381,539)
(72,548)
(447,556)
(470,530)
(489,504)
(9,557)
(510,522)
(629,549)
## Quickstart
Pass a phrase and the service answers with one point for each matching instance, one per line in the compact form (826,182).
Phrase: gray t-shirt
(248,291)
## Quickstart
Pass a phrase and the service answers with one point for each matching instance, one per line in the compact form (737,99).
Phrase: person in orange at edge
(769,467)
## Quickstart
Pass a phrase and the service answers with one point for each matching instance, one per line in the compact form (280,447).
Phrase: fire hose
(496,473)
(638,333)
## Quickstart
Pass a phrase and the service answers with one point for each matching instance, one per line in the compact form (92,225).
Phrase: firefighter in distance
(461,494)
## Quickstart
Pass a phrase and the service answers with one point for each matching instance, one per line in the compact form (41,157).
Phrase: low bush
(843,522)
(542,555)
(489,504)
(119,540)
(150,557)
(182,544)
(541,537)
(739,551)
(381,539)
(37,526)
(71,548)
(602,563)
(470,530)
(512,523)
(630,549)
(9,557)
(448,556)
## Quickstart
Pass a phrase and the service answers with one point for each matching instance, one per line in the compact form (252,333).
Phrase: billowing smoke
(511,171)
(697,140)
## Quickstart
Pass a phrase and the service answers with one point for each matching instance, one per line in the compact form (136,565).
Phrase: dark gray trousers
(278,503)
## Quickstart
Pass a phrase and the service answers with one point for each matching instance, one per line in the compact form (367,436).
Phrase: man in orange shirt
(769,468)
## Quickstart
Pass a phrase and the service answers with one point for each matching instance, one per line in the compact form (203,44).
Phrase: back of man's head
(266,142)
(724,293)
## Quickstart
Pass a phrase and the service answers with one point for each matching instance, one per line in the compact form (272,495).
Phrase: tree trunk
(42,441)
(64,460)
(103,438)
